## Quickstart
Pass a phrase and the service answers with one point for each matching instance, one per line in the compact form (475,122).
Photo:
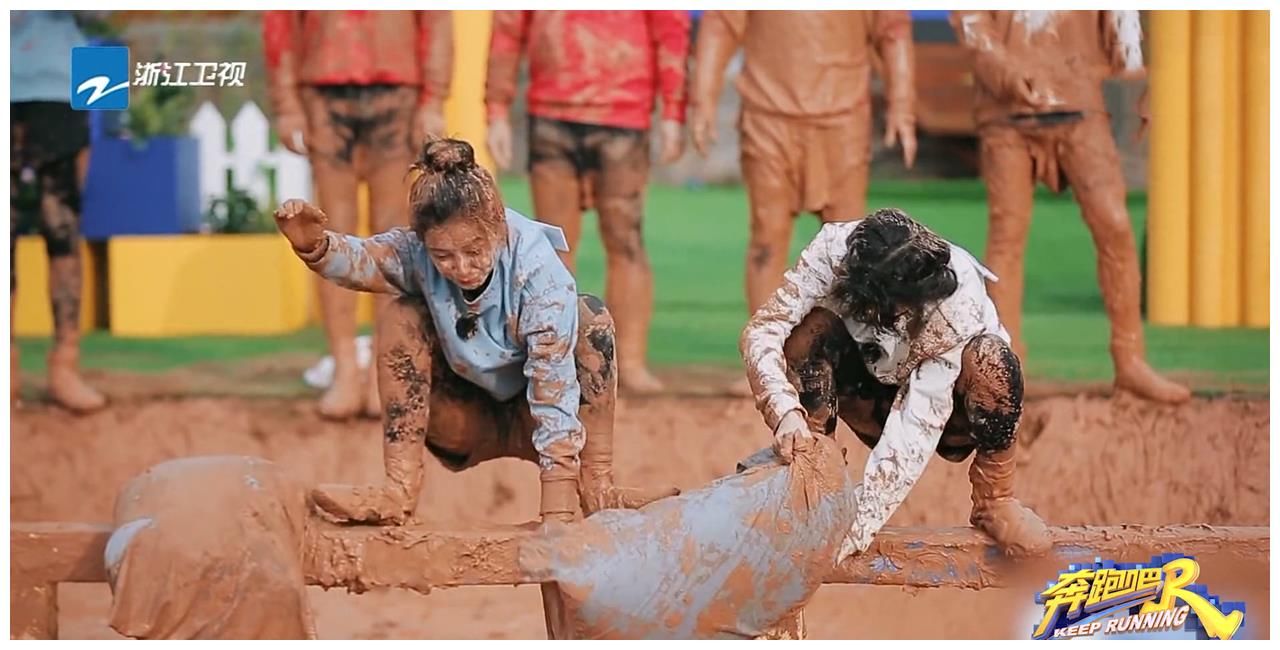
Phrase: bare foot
(69,390)
(1139,378)
(639,381)
(344,399)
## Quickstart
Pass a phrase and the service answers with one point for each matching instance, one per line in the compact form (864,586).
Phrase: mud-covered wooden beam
(41,555)
(417,557)
(412,557)
(964,557)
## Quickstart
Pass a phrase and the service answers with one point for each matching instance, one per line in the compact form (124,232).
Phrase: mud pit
(1084,460)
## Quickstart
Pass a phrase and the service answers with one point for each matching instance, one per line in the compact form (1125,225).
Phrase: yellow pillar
(364,228)
(1208,185)
(1257,169)
(1232,270)
(1169,170)
(464,110)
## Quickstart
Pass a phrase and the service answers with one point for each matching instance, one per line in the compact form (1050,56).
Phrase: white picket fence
(249,158)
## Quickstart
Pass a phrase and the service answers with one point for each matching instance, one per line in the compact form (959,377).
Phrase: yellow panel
(206,284)
(1208,152)
(1257,169)
(1169,225)
(364,301)
(464,110)
(33,315)
(1232,269)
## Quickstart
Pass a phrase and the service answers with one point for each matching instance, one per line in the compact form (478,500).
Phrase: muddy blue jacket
(527,319)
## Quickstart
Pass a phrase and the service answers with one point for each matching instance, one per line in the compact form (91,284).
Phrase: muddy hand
(792,437)
(291,129)
(671,139)
(1032,93)
(1144,116)
(499,141)
(302,224)
(427,121)
(703,129)
(900,127)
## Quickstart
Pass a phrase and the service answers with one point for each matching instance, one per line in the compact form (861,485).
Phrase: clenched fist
(792,437)
(302,224)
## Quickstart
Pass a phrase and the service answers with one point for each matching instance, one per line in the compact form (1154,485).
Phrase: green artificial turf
(697,238)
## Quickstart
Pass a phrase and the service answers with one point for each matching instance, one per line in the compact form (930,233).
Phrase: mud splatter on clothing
(924,367)
(529,285)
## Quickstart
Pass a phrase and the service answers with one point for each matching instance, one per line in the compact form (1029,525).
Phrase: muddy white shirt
(924,367)
(526,319)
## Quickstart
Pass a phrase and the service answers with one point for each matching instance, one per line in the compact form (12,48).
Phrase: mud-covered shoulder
(536,265)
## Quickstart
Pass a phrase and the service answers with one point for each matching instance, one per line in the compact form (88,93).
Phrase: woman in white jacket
(887,326)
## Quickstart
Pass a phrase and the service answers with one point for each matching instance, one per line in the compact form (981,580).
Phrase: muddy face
(462,251)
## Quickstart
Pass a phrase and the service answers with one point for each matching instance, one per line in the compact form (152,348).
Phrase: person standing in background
(357,92)
(1041,117)
(593,79)
(49,158)
(806,115)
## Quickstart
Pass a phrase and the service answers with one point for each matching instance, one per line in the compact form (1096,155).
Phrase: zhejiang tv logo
(100,76)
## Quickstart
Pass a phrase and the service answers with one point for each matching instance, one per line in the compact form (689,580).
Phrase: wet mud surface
(1084,460)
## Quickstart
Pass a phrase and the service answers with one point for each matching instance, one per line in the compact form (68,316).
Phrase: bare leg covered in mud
(1092,164)
(389,154)
(831,377)
(356,133)
(599,384)
(425,404)
(572,165)
(619,192)
(58,184)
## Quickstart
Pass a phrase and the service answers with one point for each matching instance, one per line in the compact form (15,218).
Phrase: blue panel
(150,189)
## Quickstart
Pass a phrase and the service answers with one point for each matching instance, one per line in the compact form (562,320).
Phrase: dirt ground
(1084,459)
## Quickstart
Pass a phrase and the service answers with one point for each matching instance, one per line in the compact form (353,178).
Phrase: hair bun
(443,156)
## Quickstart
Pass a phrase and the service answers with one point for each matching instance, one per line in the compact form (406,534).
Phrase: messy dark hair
(451,185)
(894,266)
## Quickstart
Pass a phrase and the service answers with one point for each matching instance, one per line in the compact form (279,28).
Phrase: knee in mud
(594,305)
(759,254)
(819,338)
(404,318)
(406,364)
(60,227)
(620,225)
(989,367)
(992,388)
(60,241)
(595,350)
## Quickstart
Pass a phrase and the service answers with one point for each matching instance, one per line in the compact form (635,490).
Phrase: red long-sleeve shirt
(358,47)
(593,67)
